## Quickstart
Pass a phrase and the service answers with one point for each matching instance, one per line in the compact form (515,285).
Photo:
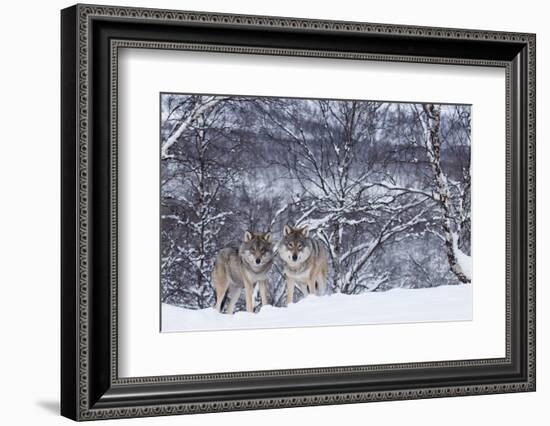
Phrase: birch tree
(196,176)
(459,262)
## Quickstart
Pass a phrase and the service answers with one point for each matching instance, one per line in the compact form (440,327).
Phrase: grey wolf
(242,267)
(304,259)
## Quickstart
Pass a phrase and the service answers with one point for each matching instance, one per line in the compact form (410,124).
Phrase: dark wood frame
(90,386)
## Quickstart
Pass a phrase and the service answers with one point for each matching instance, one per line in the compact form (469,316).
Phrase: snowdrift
(444,303)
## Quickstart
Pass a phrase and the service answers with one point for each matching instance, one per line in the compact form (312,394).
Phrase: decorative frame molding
(91,388)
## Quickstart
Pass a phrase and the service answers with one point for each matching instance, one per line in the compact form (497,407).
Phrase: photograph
(281,212)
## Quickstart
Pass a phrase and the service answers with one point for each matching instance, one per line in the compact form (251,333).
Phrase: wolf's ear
(305,231)
(287,230)
(247,236)
(267,237)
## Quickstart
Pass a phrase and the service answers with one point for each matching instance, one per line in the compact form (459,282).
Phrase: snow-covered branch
(205,105)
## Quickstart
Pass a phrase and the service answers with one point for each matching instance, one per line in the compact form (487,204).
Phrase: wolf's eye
(290,245)
(299,247)
(262,251)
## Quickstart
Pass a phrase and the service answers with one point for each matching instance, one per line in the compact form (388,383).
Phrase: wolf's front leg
(289,291)
(311,286)
(322,277)
(249,292)
(263,291)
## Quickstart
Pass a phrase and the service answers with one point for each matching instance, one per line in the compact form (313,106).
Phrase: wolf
(242,267)
(304,259)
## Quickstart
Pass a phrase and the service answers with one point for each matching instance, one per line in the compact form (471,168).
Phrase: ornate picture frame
(91,37)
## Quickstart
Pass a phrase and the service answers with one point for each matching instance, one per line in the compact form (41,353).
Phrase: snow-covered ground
(444,303)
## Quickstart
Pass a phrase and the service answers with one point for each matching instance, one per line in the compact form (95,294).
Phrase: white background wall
(29,211)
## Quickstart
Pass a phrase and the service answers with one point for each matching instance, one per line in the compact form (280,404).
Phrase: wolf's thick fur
(305,261)
(238,268)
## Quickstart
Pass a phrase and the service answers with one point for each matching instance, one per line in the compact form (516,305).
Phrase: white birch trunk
(433,148)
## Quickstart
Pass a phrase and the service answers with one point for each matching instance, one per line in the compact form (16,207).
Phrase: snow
(444,303)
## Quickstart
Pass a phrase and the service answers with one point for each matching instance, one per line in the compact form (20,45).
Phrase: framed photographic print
(263,212)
